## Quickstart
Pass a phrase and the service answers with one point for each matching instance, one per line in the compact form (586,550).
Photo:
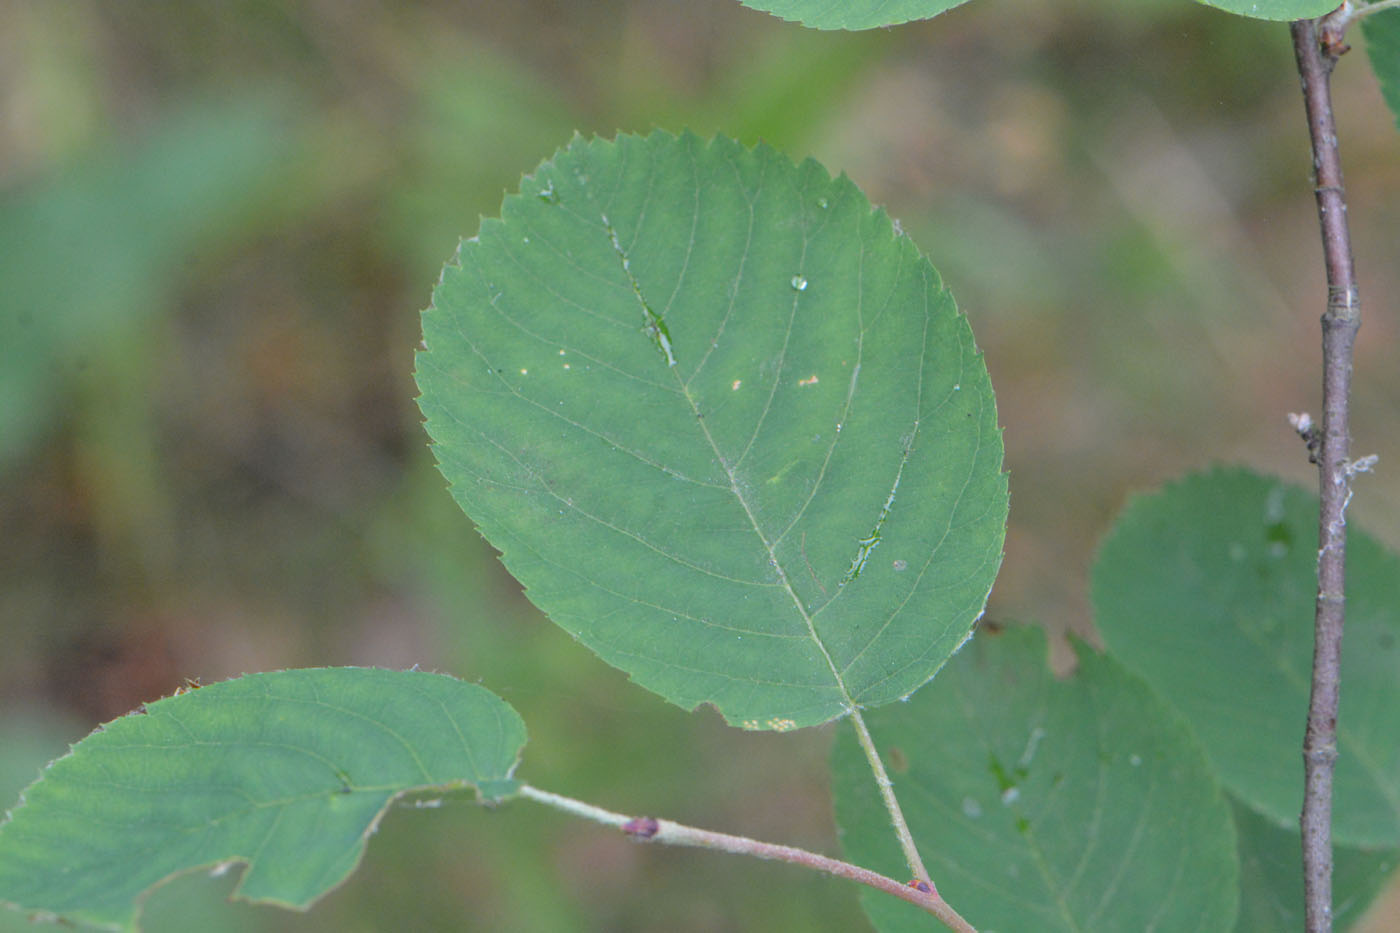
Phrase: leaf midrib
(730,469)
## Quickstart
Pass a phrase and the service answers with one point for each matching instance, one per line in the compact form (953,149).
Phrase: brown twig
(1317,52)
(647,829)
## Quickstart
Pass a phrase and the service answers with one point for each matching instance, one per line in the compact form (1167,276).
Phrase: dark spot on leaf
(1004,780)
(1279,533)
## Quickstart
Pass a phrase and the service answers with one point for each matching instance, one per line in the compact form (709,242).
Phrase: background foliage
(228,473)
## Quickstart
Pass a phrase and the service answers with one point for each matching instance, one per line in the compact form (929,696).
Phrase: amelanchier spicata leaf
(852,14)
(1044,804)
(287,772)
(724,423)
(1271,877)
(1275,9)
(1382,32)
(1207,589)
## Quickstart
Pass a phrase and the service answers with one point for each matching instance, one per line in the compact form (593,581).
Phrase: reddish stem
(649,829)
(1317,55)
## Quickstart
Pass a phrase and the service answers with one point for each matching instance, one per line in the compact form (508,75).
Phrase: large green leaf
(1382,32)
(852,14)
(1041,804)
(1206,589)
(1275,9)
(1271,877)
(724,423)
(286,772)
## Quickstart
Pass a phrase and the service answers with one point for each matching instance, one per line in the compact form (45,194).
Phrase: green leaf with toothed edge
(1207,590)
(1382,32)
(287,772)
(723,422)
(1278,10)
(1044,804)
(852,14)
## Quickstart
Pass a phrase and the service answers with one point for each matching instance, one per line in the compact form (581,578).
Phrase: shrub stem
(1316,58)
(647,829)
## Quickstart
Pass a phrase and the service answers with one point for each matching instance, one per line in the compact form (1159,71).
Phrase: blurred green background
(218,223)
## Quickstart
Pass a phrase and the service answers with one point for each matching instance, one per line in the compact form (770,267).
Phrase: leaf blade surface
(288,772)
(1206,589)
(1382,32)
(723,423)
(852,14)
(1047,805)
(1278,10)
(1271,877)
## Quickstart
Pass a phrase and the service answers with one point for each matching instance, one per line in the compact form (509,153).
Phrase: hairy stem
(882,780)
(1339,325)
(647,829)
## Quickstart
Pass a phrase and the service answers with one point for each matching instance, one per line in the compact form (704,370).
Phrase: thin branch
(1316,59)
(647,829)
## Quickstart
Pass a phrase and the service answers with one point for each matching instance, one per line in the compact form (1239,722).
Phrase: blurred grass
(218,224)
